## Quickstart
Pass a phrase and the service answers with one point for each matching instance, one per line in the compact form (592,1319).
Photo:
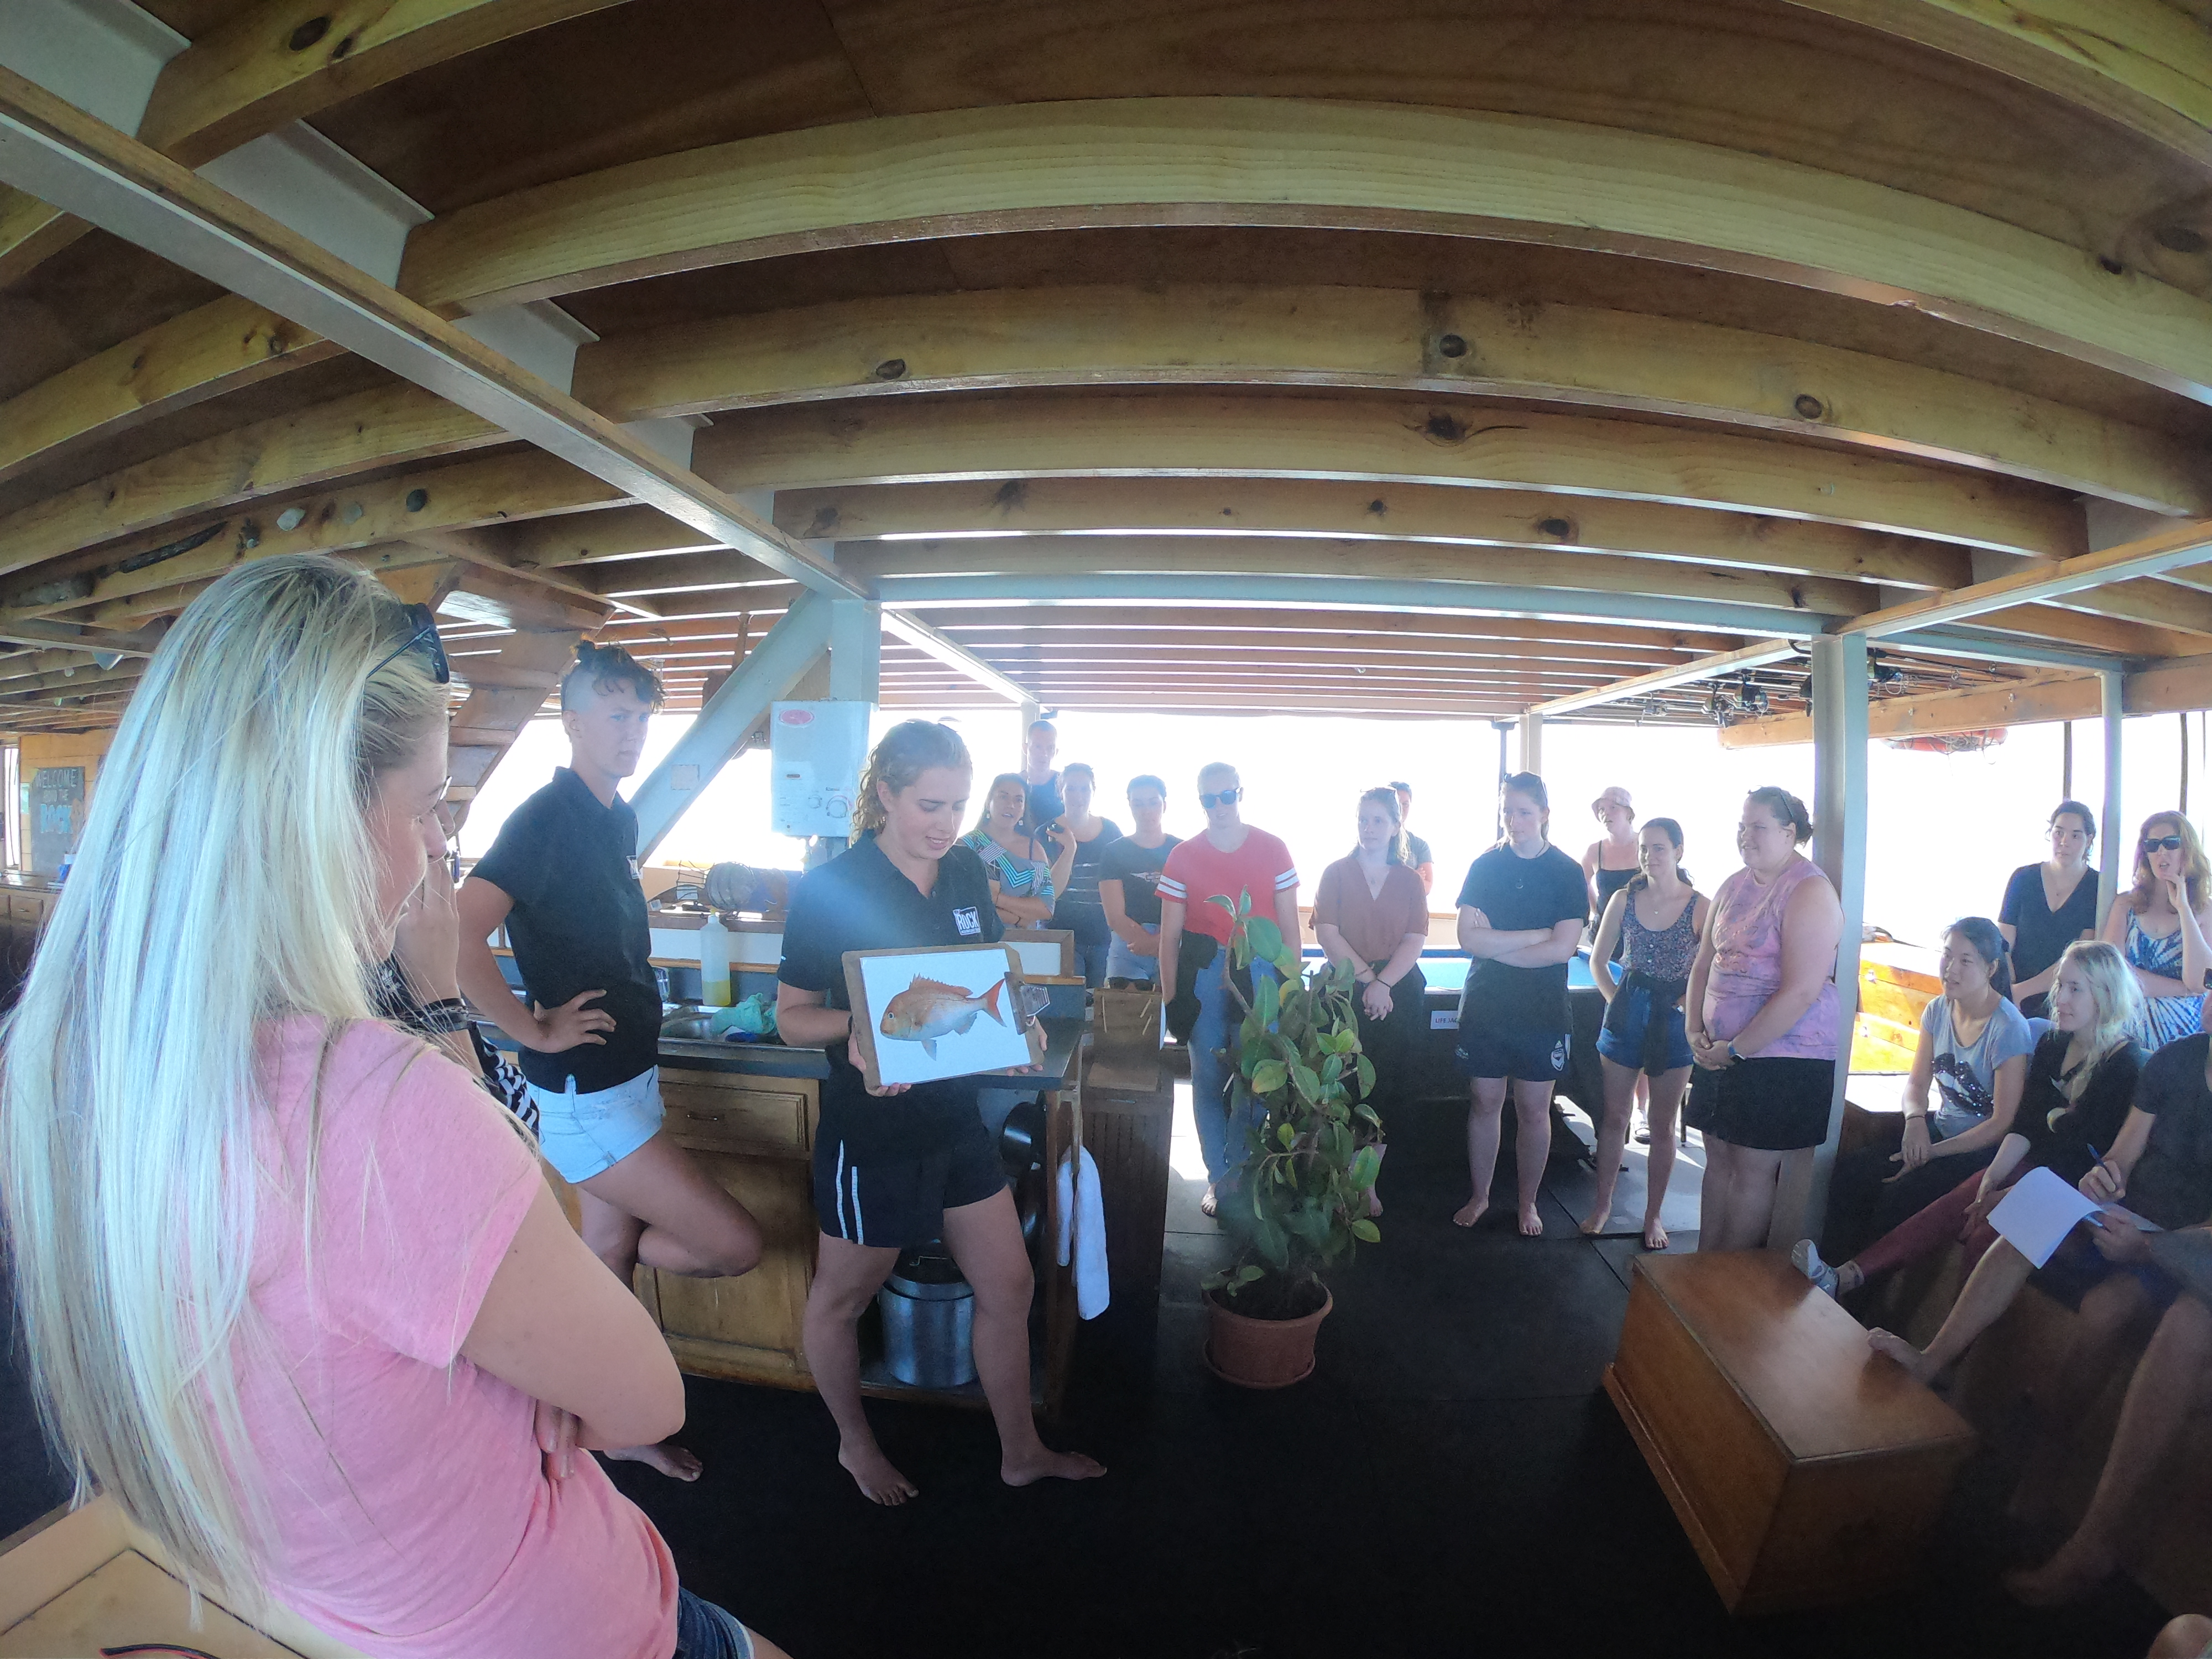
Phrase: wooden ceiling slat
(1352,165)
(1380,339)
(1371,437)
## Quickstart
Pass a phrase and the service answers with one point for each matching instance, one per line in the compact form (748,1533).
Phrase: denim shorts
(1626,1049)
(704,1631)
(1122,963)
(585,1135)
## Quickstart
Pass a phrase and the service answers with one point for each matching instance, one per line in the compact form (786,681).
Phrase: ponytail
(1989,944)
(903,754)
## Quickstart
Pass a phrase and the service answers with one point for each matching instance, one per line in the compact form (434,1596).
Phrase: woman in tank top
(1761,1012)
(1657,919)
(2161,926)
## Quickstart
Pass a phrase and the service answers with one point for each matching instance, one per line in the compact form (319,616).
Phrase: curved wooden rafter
(1241,161)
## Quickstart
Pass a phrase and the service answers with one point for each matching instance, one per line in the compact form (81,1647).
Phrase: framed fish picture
(940,1012)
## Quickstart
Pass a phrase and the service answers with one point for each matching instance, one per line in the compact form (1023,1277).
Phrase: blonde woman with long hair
(2081,1083)
(2161,925)
(297,1296)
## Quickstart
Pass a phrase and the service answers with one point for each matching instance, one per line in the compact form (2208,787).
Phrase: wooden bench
(78,1581)
(1805,1468)
(2169,1552)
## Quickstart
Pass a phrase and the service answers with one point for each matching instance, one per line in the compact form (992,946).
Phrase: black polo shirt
(579,924)
(860,901)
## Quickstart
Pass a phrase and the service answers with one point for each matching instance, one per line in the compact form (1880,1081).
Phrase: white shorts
(585,1135)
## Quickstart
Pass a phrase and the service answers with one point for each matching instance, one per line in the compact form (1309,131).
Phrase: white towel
(1084,1213)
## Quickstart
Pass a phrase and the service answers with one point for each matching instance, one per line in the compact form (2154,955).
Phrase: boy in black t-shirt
(563,878)
(1129,887)
(1520,914)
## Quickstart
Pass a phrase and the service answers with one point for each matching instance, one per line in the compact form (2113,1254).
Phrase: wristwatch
(1732,1053)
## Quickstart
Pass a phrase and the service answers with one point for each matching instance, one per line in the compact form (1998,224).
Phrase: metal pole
(1839,844)
(2066,772)
(2112,686)
(1532,742)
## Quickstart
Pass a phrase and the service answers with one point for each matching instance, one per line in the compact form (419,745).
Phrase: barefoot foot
(879,1483)
(1654,1236)
(1594,1222)
(2070,1576)
(671,1459)
(1374,1203)
(1532,1225)
(1470,1212)
(1897,1348)
(1045,1464)
(1209,1204)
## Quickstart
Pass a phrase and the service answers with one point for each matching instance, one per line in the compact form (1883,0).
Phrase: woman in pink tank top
(1761,1009)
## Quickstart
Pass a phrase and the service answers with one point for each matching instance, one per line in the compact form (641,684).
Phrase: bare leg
(1989,1288)
(986,1240)
(1532,1148)
(1612,1139)
(2185,1637)
(658,1206)
(1713,1192)
(1750,1173)
(1485,1108)
(2112,1310)
(1666,1104)
(846,1277)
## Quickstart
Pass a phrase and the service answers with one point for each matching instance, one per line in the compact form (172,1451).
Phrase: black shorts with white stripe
(901,1202)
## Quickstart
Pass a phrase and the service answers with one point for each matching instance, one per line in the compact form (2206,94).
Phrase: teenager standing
(1520,914)
(1234,861)
(2049,905)
(1080,909)
(1129,885)
(1418,855)
(909,1163)
(563,878)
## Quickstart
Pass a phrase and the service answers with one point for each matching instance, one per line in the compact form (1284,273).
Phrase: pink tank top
(1747,970)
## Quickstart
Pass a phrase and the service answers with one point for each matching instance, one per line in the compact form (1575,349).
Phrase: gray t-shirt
(1966,1075)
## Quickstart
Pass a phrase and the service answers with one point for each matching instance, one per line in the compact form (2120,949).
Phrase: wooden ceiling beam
(222,346)
(1813,597)
(1375,439)
(618,533)
(1397,509)
(2170,548)
(388,426)
(2144,65)
(1342,165)
(1172,620)
(2102,633)
(1380,339)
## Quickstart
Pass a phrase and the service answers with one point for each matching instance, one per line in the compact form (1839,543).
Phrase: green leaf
(1287,1135)
(1273,1243)
(1308,1084)
(1268,1076)
(1267,1001)
(1366,1166)
(1265,937)
(1366,1068)
(1366,1232)
(1221,900)
(1368,1114)
(1332,1068)
(1248,1272)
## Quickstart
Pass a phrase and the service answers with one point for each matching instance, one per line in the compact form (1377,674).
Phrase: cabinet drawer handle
(703,1117)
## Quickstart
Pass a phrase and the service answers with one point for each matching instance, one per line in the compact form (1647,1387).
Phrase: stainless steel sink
(689,1027)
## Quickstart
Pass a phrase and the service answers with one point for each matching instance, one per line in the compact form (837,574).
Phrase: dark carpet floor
(1451,1481)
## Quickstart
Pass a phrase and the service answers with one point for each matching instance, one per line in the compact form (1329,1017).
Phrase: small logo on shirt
(636,874)
(968,922)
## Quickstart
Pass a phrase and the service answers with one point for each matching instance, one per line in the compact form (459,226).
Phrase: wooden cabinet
(755,1136)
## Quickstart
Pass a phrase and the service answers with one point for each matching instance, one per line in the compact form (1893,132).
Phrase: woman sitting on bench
(2080,1085)
(2161,1166)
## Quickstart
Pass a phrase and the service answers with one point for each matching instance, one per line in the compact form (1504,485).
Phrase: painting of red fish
(929,1009)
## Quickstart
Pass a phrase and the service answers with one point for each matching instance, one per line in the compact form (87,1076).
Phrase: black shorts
(899,1202)
(1775,1104)
(1524,1056)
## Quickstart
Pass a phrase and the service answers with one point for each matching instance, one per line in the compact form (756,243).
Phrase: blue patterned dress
(2163,1019)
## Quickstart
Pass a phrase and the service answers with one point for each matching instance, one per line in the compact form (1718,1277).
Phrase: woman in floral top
(1026,873)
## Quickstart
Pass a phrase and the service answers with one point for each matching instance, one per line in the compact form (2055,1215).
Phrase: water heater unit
(816,750)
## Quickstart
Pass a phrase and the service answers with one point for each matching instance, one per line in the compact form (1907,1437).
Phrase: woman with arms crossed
(1658,918)
(1371,913)
(1129,886)
(1520,914)
(2048,905)
(2160,925)
(1080,909)
(1761,1011)
(908,1163)
(341,1347)
(1025,873)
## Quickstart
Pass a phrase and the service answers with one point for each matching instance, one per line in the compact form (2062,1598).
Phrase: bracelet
(444,1017)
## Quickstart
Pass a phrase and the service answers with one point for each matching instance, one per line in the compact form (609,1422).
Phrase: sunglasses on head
(423,634)
(2161,843)
(1219,797)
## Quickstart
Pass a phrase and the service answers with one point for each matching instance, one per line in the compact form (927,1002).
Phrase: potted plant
(1297,1203)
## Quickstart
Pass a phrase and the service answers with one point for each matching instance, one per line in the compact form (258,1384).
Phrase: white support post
(1839,845)
(2112,687)
(856,652)
(785,653)
(1032,712)
(1532,742)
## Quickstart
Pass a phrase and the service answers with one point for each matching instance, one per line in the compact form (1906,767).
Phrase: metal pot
(929,1322)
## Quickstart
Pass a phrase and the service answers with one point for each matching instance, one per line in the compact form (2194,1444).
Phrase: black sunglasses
(1220,797)
(424,632)
(2161,843)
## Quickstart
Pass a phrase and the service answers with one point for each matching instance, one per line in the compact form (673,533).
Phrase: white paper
(2038,1212)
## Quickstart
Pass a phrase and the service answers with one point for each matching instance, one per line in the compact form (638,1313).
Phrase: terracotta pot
(1261,1353)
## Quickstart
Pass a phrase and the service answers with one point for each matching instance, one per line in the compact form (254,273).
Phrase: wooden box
(1127,1131)
(1806,1468)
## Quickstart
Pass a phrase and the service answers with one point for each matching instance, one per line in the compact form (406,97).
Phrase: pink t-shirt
(1196,870)
(1747,969)
(411,1512)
